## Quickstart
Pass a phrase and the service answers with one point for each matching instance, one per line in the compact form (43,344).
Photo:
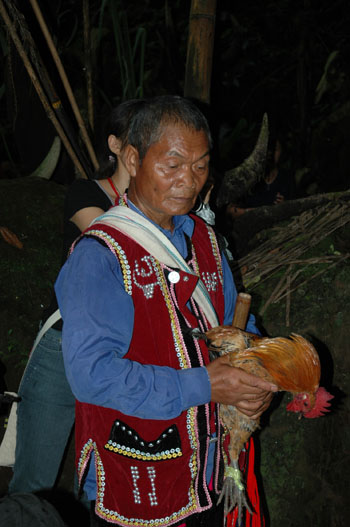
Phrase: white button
(174,277)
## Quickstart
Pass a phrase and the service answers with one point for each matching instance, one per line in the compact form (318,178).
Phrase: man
(145,388)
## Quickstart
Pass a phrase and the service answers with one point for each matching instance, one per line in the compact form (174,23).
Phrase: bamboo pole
(65,82)
(40,91)
(46,84)
(200,50)
(88,66)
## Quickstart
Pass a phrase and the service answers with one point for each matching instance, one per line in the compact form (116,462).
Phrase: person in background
(47,407)
(149,442)
(273,189)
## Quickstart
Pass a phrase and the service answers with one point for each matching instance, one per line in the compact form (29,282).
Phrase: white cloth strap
(157,244)
(48,324)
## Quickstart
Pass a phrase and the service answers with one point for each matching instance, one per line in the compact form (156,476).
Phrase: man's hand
(248,393)
(279,198)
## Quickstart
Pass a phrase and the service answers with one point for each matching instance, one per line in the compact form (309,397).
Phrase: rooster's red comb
(321,405)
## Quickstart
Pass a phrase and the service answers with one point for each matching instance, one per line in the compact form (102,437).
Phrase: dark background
(268,57)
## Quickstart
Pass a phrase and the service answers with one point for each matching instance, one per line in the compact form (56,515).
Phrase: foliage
(126,53)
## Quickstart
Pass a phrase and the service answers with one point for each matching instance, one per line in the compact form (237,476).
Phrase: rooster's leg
(233,491)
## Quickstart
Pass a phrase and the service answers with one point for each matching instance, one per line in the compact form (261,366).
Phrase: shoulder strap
(47,325)
(117,195)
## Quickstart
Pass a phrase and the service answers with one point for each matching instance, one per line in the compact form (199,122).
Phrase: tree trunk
(200,50)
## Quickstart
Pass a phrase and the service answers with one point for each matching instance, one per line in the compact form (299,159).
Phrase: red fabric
(247,463)
(117,196)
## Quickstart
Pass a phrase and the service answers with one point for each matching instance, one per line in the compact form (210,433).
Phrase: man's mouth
(183,198)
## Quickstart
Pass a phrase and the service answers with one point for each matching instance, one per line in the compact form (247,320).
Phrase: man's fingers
(255,397)
(254,409)
(260,384)
(230,385)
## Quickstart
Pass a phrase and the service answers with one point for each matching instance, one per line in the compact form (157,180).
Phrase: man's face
(172,174)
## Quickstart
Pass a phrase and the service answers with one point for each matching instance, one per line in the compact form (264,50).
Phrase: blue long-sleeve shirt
(98,320)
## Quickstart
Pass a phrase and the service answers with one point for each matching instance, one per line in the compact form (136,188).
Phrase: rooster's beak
(197,334)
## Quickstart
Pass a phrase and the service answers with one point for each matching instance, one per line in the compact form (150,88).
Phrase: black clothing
(82,193)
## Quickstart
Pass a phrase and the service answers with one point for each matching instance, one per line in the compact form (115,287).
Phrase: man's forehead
(175,137)
(175,153)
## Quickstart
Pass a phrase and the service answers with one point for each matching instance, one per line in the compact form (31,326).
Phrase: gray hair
(147,125)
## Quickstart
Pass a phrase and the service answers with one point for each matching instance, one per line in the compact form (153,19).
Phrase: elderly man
(148,439)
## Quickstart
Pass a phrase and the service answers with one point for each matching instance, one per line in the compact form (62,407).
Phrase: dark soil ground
(304,464)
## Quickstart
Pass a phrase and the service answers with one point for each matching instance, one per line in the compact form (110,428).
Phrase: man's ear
(114,144)
(131,160)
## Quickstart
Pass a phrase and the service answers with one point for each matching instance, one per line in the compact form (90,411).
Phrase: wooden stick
(240,316)
(65,82)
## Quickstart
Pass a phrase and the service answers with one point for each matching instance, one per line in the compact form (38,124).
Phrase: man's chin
(180,207)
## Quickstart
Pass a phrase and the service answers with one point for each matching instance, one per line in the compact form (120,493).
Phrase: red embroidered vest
(152,472)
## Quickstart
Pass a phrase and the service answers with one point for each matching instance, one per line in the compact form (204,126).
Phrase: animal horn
(239,180)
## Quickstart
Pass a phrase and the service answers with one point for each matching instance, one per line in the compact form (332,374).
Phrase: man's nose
(187,176)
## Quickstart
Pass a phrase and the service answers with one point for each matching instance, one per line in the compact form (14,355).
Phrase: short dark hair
(147,124)
(118,124)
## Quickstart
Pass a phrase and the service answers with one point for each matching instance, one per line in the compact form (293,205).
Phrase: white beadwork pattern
(135,476)
(210,280)
(152,495)
(145,270)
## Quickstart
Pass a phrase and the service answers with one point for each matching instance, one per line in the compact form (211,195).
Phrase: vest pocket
(125,441)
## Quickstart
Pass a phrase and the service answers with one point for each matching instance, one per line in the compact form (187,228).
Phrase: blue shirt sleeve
(98,323)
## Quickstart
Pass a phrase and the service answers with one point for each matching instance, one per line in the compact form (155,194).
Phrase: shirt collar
(182,223)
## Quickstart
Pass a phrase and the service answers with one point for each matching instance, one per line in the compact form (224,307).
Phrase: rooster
(290,363)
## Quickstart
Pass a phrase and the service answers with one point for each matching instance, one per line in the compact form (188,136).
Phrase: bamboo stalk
(48,88)
(39,90)
(65,82)
(200,49)
(88,68)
